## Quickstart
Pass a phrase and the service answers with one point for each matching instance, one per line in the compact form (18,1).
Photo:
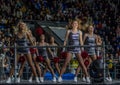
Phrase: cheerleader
(33,52)
(22,38)
(43,52)
(90,39)
(53,54)
(73,37)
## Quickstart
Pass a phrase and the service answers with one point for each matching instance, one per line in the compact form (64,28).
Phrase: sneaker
(110,79)
(107,78)
(30,80)
(88,79)
(8,80)
(75,79)
(18,80)
(83,79)
(59,79)
(54,79)
(41,79)
(37,80)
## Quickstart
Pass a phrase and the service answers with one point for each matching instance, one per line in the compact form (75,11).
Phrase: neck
(20,31)
(74,29)
(91,33)
(42,41)
(52,43)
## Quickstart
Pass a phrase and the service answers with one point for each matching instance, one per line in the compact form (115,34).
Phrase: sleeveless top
(73,39)
(54,52)
(22,42)
(90,40)
(32,50)
(43,51)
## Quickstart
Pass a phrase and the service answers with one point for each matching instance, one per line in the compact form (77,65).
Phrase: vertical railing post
(15,55)
(104,65)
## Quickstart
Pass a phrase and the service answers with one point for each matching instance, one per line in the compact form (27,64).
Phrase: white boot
(88,79)
(41,79)
(54,79)
(37,80)
(18,80)
(75,79)
(59,79)
(30,80)
(83,79)
(8,80)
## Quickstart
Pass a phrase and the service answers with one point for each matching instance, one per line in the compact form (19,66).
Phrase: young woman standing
(53,53)
(33,52)
(90,39)
(73,37)
(21,39)
(43,51)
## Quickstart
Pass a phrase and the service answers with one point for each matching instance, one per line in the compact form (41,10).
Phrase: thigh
(29,58)
(79,57)
(68,58)
(47,60)
(93,57)
(34,57)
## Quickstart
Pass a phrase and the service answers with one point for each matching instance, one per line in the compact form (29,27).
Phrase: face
(42,37)
(91,28)
(21,25)
(75,24)
(52,39)
(30,32)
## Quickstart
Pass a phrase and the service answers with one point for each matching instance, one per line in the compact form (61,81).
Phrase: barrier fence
(15,47)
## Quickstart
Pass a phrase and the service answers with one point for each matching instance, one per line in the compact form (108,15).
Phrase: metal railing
(15,47)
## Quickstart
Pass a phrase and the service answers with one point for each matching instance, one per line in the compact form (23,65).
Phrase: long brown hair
(69,26)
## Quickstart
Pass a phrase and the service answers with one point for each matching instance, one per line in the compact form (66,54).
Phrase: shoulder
(55,44)
(80,31)
(86,34)
(68,31)
(95,35)
(27,33)
(47,44)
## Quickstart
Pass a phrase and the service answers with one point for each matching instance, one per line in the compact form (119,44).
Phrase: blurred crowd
(104,14)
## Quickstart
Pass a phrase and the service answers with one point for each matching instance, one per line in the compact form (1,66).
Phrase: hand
(82,49)
(63,50)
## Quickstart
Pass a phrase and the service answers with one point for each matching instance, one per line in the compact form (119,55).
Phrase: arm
(56,49)
(37,53)
(51,53)
(84,38)
(81,40)
(66,37)
(29,38)
(98,40)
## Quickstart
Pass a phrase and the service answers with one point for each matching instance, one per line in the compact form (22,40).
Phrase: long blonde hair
(25,27)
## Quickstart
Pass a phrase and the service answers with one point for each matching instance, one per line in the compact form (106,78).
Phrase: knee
(30,64)
(65,65)
(49,65)
(94,58)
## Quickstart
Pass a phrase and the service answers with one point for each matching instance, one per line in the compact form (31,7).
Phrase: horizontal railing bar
(53,46)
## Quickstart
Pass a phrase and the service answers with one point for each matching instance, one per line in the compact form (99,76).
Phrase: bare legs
(81,62)
(57,67)
(67,60)
(29,59)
